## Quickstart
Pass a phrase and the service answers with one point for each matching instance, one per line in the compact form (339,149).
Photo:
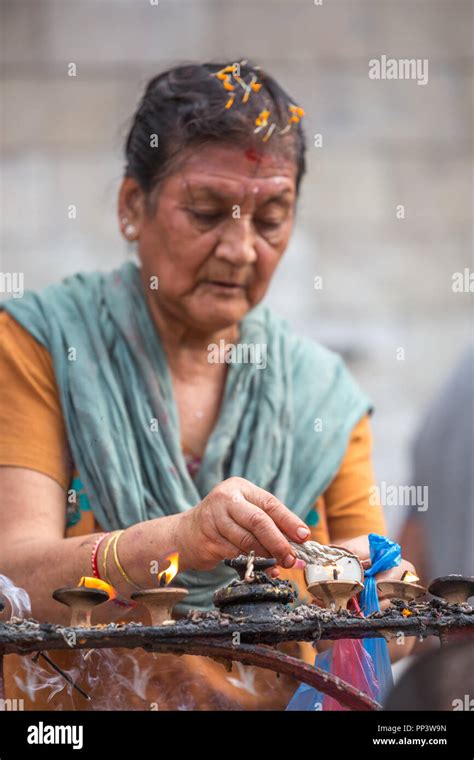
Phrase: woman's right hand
(235,518)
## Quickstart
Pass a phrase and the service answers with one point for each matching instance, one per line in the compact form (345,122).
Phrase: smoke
(19,600)
(34,678)
(140,677)
(246,679)
(117,680)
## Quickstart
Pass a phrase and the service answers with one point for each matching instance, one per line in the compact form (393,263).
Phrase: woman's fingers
(245,540)
(288,523)
(238,536)
(260,525)
(358,546)
(221,549)
(395,573)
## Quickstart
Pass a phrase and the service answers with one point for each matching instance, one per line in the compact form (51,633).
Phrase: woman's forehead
(223,173)
(216,187)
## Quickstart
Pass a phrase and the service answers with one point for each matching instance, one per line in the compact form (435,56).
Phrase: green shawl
(122,422)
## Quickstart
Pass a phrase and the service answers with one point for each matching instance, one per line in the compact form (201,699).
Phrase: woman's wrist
(132,559)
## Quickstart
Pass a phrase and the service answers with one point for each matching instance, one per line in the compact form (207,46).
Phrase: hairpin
(269,133)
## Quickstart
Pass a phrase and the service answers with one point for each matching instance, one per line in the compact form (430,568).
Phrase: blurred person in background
(440,540)
(437,681)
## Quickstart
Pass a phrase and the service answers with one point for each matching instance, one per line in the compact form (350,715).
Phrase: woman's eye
(205,217)
(269,224)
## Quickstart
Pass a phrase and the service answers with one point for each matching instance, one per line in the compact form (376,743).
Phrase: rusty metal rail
(227,638)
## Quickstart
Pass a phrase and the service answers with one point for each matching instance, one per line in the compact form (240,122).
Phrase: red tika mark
(251,155)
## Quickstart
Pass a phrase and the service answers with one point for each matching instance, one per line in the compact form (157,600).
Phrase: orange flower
(296,113)
(223,73)
(233,70)
(262,119)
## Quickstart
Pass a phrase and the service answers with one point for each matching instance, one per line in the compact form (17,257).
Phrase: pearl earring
(130,230)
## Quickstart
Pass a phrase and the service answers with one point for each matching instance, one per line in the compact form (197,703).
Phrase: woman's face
(219,228)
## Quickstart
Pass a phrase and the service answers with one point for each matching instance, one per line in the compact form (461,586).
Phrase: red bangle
(95,549)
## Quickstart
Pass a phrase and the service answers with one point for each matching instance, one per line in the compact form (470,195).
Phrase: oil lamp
(343,568)
(160,601)
(455,589)
(335,582)
(407,588)
(81,599)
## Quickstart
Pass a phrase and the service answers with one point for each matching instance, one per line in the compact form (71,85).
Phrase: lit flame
(166,576)
(408,577)
(97,583)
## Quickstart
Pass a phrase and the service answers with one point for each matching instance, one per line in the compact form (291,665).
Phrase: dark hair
(186,106)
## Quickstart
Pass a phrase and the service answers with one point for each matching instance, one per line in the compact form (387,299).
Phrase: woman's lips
(230,287)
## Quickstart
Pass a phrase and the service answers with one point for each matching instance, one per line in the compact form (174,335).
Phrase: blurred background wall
(386,281)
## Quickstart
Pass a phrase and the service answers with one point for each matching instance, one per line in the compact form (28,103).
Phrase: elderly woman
(124,440)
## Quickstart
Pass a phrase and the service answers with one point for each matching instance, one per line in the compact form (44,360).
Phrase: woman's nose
(237,242)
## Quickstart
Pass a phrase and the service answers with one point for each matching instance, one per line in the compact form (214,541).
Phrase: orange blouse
(34,437)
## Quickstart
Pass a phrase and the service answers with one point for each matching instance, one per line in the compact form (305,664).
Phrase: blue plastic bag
(384,554)
(347,660)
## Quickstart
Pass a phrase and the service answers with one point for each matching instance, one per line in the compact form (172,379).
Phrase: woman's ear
(131,208)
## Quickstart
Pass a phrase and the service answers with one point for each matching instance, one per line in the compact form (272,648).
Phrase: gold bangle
(119,566)
(104,557)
